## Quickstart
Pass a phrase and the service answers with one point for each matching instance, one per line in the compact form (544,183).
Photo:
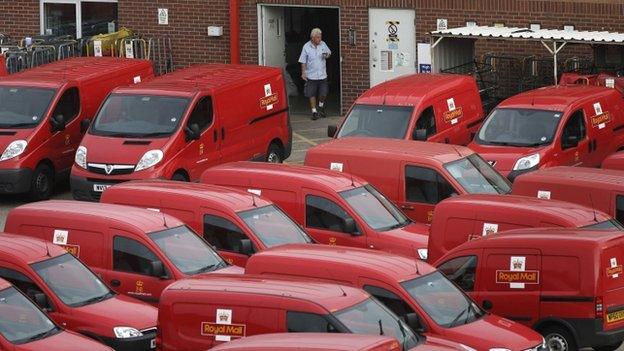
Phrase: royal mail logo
(72,249)
(214,329)
(600,119)
(223,317)
(60,237)
(613,271)
(268,100)
(526,277)
(517,264)
(454,114)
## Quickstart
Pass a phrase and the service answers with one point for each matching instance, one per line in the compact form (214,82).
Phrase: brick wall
(19,18)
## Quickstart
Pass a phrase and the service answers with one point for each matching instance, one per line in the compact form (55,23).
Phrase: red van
(236,223)
(73,296)
(195,314)
(334,208)
(406,286)
(179,124)
(24,327)
(552,126)
(137,251)
(3,67)
(443,108)
(463,218)
(566,284)
(601,189)
(614,161)
(414,175)
(44,112)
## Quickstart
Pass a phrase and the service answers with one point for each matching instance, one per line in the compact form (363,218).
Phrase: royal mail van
(24,327)
(552,126)
(73,296)
(334,208)
(195,314)
(236,223)
(567,284)
(179,124)
(406,286)
(443,108)
(414,175)
(138,252)
(601,189)
(44,112)
(614,161)
(463,218)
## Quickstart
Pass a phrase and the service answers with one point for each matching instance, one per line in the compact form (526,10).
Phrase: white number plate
(153,344)
(100,187)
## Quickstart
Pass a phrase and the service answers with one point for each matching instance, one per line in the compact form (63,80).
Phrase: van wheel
(42,183)
(179,177)
(607,348)
(274,155)
(559,339)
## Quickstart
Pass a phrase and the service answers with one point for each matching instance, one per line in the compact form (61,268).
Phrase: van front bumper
(590,333)
(146,342)
(15,181)
(83,189)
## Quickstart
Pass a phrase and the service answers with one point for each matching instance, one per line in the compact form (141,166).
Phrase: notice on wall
(163,16)
(386,61)
(424,58)
(97,48)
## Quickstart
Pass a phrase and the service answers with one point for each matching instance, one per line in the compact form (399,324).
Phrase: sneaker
(321,111)
(315,116)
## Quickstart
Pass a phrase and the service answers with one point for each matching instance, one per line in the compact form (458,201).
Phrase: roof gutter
(234,32)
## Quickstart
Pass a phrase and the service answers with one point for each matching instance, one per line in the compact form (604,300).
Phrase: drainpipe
(234,32)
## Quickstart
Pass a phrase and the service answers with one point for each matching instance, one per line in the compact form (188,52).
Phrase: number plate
(615,316)
(153,344)
(100,187)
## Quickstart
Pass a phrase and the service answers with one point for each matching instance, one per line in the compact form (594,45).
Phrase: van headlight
(14,149)
(527,162)
(422,253)
(81,157)
(126,332)
(150,159)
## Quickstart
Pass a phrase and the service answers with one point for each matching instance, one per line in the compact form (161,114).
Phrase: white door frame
(76,3)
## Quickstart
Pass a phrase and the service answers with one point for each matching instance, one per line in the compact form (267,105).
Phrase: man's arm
(329,52)
(304,76)
(303,59)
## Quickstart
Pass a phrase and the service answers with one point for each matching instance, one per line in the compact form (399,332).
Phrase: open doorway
(283,30)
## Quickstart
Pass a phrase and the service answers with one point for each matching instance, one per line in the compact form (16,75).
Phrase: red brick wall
(19,18)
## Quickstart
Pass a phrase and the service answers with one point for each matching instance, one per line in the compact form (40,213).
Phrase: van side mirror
(158,270)
(487,305)
(192,132)
(331,130)
(246,248)
(569,141)
(42,301)
(349,226)
(84,125)
(414,322)
(420,134)
(58,123)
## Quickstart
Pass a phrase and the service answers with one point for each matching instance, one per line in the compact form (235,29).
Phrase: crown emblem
(517,264)
(223,317)
(60,237)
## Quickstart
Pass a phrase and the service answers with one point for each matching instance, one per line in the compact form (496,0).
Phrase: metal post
(555,62)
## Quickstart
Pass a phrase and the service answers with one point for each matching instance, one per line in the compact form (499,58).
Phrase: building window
(79,18)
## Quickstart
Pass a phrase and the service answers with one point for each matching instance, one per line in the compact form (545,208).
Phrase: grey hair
(315,31)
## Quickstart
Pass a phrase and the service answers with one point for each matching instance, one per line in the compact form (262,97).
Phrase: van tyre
(274,155)
(42,183)
(559,339)
(179,177)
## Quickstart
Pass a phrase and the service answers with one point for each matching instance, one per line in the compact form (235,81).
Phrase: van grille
(106,169)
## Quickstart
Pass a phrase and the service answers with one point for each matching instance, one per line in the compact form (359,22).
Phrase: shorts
(314,88)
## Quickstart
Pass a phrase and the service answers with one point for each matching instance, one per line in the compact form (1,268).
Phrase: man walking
(314,71)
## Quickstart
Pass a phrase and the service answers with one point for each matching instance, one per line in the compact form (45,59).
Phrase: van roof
(395,267)
(397,149)
(566,175)
(409,90)
(144,220)
(319,177)
(208,77)
(233,199)
(331,297)
(557,98)
(79,69)
(18,248)
(307,341)
(531,206)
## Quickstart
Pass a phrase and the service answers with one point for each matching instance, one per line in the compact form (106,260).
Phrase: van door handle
(222,133)
(115,283)
(407,207)
(214,135)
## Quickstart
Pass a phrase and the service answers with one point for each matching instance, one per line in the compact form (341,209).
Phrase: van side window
(20,281)
(223,234)
(301,322)
(619,208)
(426,185)
(132,256)
(390,300)
(202,114)
(425,121)
(68,105)
(461,271)
(574,130)
(325,214)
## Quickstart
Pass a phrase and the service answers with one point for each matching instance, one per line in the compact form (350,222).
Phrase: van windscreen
(377,121)
(610,224)
(377,211)
(519,127)
(23,107)
(139,116)
(187,251)
(477,176)
(273,227)
(21,321)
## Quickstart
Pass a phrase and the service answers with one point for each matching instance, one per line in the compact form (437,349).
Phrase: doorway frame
(259,7)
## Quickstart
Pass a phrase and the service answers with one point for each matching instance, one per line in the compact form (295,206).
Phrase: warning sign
(393,36)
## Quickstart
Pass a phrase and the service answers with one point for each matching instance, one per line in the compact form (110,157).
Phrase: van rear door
(612,275)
